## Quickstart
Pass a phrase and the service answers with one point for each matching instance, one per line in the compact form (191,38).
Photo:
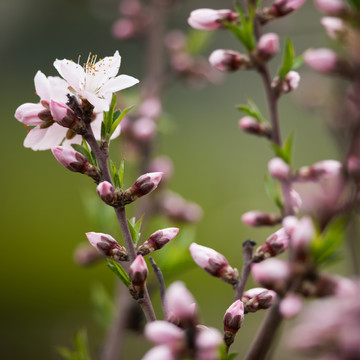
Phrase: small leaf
(298,61)
(115,174)
(121,172)
(118,120)
(81,348)
(288,59)
(103,130)
(224,355)
(197,41)
(284,152)
(119,271)
(134,228)
(252,110)
(273,191)
(117,113)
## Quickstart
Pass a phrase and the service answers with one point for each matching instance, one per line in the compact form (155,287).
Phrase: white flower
(95,81)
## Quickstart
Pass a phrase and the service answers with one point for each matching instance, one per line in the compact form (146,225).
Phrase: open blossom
(96,81)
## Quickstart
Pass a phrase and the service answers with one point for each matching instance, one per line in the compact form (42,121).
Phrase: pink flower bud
(157,240)
(138,272)
(303,234)
(290,223)
(210,19)
(291,82)
(290,306)
(123,29)
(274,245)
(234,317)
(259,218)
(71,159)
(327,169)
(86,255)
(130,7)
(331,7)
(161,352)
(144,185)
(208,342)
(321,60)
(105,244)
(258,298)
(268,45)
(228,60)
(253,126)
(164,165)
(164,333)
(284,7)
(279,169)
(214,263)
(63,115)
(334,26)
(144,129)
(180,303)
(271,273)
(105,191)
(151,108)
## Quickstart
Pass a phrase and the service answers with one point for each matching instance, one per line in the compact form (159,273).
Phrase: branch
(162,286)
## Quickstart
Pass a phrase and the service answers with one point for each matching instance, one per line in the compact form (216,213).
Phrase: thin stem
(265,336)
(162,287)
(146,306)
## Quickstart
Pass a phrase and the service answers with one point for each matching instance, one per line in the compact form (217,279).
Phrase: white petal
(42,86)
(73,73)
(34,137)
(28,114)
(53,137)
(59,88)
(119,83)
(109,64)
(75,140)
(99,103)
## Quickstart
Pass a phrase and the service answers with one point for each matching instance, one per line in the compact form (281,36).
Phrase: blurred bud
(326,169)
(290,306)
(268,46)
(259,218)
(272,273)
(274,245)
(175,40)
(66,117)
(353,166)
(210,19)
(123,29)
(289,224)
(86,255)
(321,60)
(165,333)
(279,169)
(253,126)
(106,192)
(229,60)
(213,263)
(164,165)
(157,240)
(331,7)
(208,342)
(130,7)
(257,299)
(284,7)
(105,244)
(233,319)
(295,201)
(302,235)
(138,273)
(291,82)
(181,304)
(334,26)
(161,352)
(151,108)
(144,185)
(144,129)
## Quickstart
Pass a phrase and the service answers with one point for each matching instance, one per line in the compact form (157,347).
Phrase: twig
(162,287)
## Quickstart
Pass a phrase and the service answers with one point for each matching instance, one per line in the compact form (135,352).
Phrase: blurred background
(45,297)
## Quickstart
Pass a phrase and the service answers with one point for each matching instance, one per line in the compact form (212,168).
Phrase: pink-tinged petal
(73,73)
(119,83)
(28,114)
(164,333)
(291,305)
(53,136)
(159,353)
(75,140)
(109,64)
(59,88)
(42,86)
(34,138)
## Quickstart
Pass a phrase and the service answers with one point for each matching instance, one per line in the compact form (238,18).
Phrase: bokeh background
(45,297)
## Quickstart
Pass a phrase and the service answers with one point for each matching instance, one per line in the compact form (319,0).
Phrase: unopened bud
(86,255)
(65,117)
(274,245)
(268,46)
(210,19)
(213,263)
(279,169)
(124,29)
(326,169)
(143,129)
(257,299)
(333,26)
(164,165)
(157,240)
(259,218)
(164,333)
(138,273)
(161,352)
(151,108)
(331,7)
(144,185)
(291,82)
(107,246)
(303,234)
(106,192)
(284,7)
(233,319)
(255,127)
(290,306)
(229,60)
(321,60)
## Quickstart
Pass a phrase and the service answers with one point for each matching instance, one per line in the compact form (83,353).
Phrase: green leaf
(197,41)
(117,121)
(355,4)
(121,172)
(286,151)
(81,348)
(119,271)
(224,355)
(117,113)
(251,109)
(288,59)
(135,229)
(325,247)
(273,190)
(298,61)
(84,150)
(115,174)
(103,304)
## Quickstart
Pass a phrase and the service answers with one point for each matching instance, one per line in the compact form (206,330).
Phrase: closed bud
(290,306)
(65,117)
(331,7)
(106,245)
(213,263)
(229,60)
(144,185)
(253,126)
(161,352)
(274,245)
(291,82)
(302,235)
(284,7)
(259,218)
(257,299)
(267,46)
(207,343)
(138,273)
(321,60)
(327,169)
(210,19)
(151,108)
(124,29)
(279,169)
(233,319)
(157,240)
(165,333)
(144,129)
(86,255)
(333,26)
(106,192)
(164,165)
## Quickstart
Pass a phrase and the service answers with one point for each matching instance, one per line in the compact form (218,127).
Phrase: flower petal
(42,86)
(28,114)
(119,83)
(73,73)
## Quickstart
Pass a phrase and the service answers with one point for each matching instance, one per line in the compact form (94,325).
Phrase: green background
(45,297)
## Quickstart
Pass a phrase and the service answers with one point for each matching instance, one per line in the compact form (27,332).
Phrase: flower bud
(144,129)
(268,46)
(284,7)
(210,19)
(334,26)
(164,165)
(289,224)
(228,60)
(331,7)
(144,185)
(124,29)
(86,255)
(138,273)
(234,317)
(253,126)
(161,352)
(65,117)
(164,333)
(327,169)
(272,273)
(157,240)
(106,192)
(291,82)
(279,169)
(290,306)
(207,343)
(257,299)
(151,108)
(274,245)
(321,60)
(213,263)
(303,234)
(258,218)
